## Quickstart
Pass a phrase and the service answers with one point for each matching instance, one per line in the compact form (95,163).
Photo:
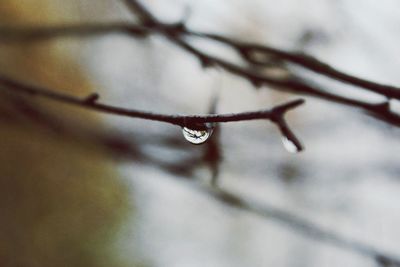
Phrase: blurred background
(153,197)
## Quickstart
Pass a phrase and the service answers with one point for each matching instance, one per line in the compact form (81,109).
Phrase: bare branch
(176,32)
(12,34)
(249,51)
(89,102)
(293,85)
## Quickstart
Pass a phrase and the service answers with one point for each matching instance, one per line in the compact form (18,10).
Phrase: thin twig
(249,51)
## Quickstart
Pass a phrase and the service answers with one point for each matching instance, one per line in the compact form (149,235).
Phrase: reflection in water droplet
(197,137)
(289,145)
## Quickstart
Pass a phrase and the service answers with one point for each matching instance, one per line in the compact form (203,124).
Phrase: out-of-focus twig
(212,155)
(13,34)
(300,225)
(256,53)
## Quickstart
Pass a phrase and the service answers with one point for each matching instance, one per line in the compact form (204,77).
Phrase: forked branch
(254,54)
(275,115)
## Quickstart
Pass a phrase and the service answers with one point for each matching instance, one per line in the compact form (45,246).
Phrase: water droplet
(290,145)
(198,136)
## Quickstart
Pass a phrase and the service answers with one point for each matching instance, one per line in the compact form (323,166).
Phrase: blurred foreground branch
(302,226)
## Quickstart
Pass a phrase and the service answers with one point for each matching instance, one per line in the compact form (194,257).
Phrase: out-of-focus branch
(141,12)
(213,155)
(259,55)
(256,54)
(275,115)
(301,226)
(12,34)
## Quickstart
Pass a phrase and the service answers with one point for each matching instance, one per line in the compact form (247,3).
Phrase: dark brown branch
(175,33)
(141,12)
(179,120)
(12,34)
(249,51)
(293,85)
(246,50)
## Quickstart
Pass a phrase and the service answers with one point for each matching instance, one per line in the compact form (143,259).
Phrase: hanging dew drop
(290,145)
(197,136)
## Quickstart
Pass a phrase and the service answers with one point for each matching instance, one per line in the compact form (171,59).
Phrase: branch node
(383,107)
(205,62)
(283,108)
(91,99)
(256,82)
(140,33)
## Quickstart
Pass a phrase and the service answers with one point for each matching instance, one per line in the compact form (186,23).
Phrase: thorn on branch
(283,108)
(383,107)
(91,99)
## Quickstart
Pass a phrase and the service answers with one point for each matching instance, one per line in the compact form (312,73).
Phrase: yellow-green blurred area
(62,203)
